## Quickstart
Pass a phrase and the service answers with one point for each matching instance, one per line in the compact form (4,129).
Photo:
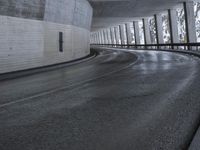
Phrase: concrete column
(123,38)
(190,22)
(93,37)
(173,26)
(117,36)
(105,37)
(101,42)
(159,28)
(99,37)
(102,37)
(114,33)
(108,37)
(128,30)
(90,38)
(111,36)
(147,37)
(137,33)
(93,40)
(96,38)
(120,34)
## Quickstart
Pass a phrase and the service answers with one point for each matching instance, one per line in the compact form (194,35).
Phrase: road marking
(66,87)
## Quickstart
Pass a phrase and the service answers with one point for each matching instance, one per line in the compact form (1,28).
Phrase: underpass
(99,75)
(120,99)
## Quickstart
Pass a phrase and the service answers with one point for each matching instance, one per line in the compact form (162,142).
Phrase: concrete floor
(141,100)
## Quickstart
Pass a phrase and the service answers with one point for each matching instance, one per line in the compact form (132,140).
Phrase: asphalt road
(138,100)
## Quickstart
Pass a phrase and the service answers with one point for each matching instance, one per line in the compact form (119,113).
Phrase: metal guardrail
(177,46)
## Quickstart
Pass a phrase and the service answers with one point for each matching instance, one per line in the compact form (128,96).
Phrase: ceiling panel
(121,10)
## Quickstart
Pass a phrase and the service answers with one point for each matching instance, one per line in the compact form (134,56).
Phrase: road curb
(194,53)
(22,73)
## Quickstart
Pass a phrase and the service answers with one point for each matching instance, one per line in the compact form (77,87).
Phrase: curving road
(138,100)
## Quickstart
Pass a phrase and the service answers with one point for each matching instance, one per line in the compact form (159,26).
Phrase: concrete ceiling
(111,12)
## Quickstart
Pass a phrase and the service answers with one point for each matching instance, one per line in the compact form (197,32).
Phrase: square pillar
(94,39)
(173,19)
(99,36)
(112,34)
(109,37)
(137,32)
(147,37)
(97,39)
(105,37)
(90,38)
(108,33)
(122,34)
(128,31)
(159,28)
(190,22)
(117,35)
(102,37)
(96,36)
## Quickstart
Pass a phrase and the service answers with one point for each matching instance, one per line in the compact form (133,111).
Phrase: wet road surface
(138,100)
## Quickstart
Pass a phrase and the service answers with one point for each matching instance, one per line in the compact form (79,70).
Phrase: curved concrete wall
(29,32)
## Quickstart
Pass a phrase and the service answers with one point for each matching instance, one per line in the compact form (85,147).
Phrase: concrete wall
(28,43)
(32,9)
(82,14)
(73,12)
